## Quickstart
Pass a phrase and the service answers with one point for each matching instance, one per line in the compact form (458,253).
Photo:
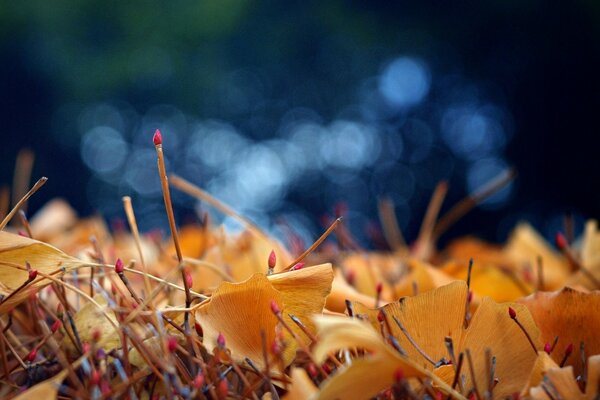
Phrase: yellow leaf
(430,317)
(15,251)
(571,315)
(364,377)
(240,311)
(302,387)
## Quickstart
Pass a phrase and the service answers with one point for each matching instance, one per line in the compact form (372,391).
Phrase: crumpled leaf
(561,383)
(431,316)
(365,377)
(16,250)
(570,314)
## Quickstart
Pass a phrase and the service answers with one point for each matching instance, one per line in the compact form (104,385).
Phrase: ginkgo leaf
(302,387)
(239,311)
(525,246)
(489,280)
(560,383)
(342,291)
(90,321)
(430,317)
(543,364)
(572,316)
(15,252)
(422,277)
(364,377)
(303,292)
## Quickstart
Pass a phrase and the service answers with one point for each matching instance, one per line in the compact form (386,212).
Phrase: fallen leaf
(16,251)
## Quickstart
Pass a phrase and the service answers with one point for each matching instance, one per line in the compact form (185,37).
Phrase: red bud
(119,267)
(199,330)
(96,335)
(297,266)
(312,370)
(55,325)
(380,316)
(512,313)
(172,344)
(198,381)
(31,356)
(379,287)
(95,378)
(274,307)
(569,350)
(189,281)
(470,296)
(272,259)
(33,274)
(560,240)
(157,138)
(223,387)
(548,348)
(221,340)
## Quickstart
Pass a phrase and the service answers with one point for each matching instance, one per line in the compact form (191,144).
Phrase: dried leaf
(240,311)
(15,251)
(573,316)
(365,377)
(561,383)
(302,387)
(430,317)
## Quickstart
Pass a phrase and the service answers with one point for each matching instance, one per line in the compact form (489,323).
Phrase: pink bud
(274,307)
(86,347)
(569,349)
(189,281)
(157,138)
(95,378)
(172,344)
(31,356)
(33,274)
(223,387)
(297,266)
(560,240)
(312,370)
(548,348)
(221,340)
(272,259)
(55,325)
(198,381)
(119,267)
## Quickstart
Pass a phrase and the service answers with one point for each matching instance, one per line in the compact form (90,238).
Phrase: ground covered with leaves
(92,312)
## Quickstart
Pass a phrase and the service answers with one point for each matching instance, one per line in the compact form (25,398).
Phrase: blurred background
(285,109)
